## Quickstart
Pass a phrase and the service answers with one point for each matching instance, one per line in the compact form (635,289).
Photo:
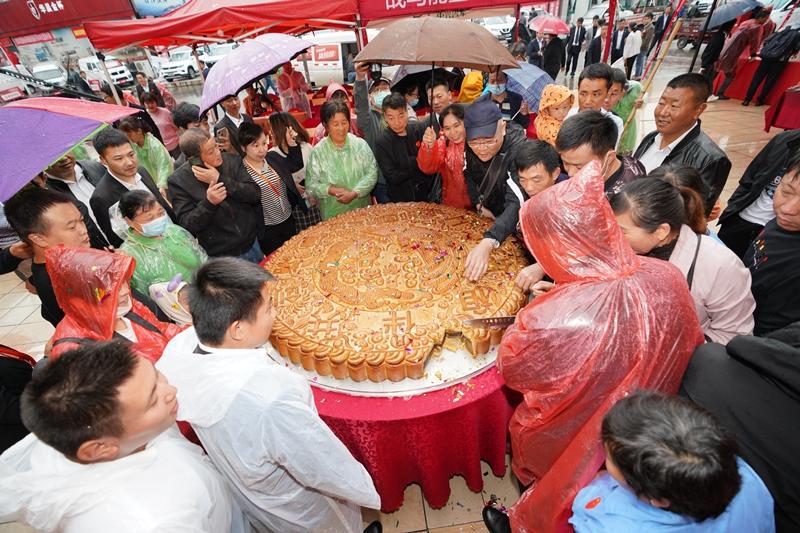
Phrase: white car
(95,76)
(500,27)
(12,88)
(215,52)
(601,10)
(181,65)
(50,72)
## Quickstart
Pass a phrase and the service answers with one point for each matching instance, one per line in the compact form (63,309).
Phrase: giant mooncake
(369,294)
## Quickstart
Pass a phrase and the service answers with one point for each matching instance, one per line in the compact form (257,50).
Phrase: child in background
(554,105)
(624,98)
(671,467)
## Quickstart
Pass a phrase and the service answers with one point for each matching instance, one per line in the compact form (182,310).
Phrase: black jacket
(397,159)
(616,52)
(770,162)
(595,51)
(476,170)
(8,262)
(108,192)
(534,53)
(153,89)
(554,57)
(713,49)
(284,166)
(229,228)
(14,375)
(93,172)
(233,130)
(699,151)
(571,46)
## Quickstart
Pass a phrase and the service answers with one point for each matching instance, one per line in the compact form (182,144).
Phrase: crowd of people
(149,264)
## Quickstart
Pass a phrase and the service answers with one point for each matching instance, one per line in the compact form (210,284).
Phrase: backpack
(780,45)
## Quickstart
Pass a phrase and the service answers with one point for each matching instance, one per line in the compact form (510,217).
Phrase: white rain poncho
(258,423)
(169,487)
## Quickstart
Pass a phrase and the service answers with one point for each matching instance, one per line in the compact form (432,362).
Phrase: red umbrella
(544,24)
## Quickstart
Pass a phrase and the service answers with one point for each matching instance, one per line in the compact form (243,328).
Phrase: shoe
(374,527)
(723,97)
(712,98)
(496,521)
(759,103)
(745,103)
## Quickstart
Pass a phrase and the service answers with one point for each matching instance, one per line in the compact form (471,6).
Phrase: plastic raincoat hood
(614,323)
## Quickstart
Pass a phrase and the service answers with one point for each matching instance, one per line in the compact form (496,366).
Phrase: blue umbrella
(528,81)
(731,10)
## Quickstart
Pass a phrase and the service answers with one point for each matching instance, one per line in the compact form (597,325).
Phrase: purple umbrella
(36,132)
(247,63)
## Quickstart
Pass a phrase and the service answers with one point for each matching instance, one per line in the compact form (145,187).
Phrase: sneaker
(712,98)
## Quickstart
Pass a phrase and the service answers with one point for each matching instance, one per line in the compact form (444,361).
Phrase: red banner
(384,9)
(24,17)
(34,38)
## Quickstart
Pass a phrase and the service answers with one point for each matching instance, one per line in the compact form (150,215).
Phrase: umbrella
(544,24)
(528,81)
(248,63)
(731,10)
(36,132)
(418,76)
(438,42)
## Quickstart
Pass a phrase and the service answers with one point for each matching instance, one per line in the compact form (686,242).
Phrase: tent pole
(197,62)
(102,59)
(515,37)
(703,34)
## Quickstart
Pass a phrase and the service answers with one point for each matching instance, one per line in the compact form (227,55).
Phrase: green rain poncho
(159,259)
(155,159)
(352,167)
(623,109)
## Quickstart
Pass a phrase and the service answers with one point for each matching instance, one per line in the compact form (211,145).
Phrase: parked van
(327,59)
(119,73)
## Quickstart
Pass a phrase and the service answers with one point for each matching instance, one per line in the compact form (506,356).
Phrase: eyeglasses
(483,145)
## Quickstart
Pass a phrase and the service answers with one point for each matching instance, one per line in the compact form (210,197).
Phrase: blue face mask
(379,97)
(155,228)
(497,88)
(414,102)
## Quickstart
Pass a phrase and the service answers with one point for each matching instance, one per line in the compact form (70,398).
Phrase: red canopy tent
(221,20)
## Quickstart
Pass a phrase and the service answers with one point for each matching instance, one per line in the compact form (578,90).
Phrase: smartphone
(197,162)
(222,135)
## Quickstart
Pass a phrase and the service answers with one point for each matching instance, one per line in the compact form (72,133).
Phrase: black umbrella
(730,11)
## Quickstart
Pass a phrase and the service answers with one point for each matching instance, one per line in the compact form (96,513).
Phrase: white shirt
(633,44)
(617,121)
(81,188)
(655,155)
(170,486)
(762,210)
(248,410)
(620,35)
(137,185)
(236,121)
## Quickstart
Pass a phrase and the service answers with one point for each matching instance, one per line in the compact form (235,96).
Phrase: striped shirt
(276,208)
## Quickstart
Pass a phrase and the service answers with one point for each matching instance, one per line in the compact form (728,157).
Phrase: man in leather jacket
(679,139)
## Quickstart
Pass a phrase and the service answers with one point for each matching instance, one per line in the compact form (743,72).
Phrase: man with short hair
(78,179)
(144,86)
(597,44)
(535,48)
(369,119)
(577,35)
(589,136)
(593,85)
(288,470)
(660,27)
(105,454)
(396,153)
(751,205)
(618,39)
(230,121)
(186,116)
(773,258)
(536,167)
(216,200)
(648,32)
(512,105)
(439,97)
(679,139)
(123,174)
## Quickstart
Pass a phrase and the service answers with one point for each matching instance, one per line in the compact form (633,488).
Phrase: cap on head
(372,83)
(480,119)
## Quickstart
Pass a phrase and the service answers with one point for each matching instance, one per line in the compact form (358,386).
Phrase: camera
(375,71)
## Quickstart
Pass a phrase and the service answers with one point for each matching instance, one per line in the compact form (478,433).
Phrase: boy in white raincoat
(257,419)
(105,454)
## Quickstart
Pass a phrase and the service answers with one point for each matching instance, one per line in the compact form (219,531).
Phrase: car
(95,76)
(500,27)
(215,52)
(601,10)
(181,64)
(12,88)
(50,72)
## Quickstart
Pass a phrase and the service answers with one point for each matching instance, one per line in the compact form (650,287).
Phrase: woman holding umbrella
(748,37)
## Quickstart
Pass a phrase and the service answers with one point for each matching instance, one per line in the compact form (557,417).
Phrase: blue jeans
(639,66)
(268,83)
(254,254)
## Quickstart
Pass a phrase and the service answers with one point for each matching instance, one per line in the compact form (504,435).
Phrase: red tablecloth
(425,439)
(785,113)
(744,75)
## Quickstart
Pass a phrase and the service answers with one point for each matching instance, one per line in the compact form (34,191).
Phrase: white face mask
(124,306)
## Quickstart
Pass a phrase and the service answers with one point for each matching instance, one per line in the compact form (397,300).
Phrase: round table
(425,439)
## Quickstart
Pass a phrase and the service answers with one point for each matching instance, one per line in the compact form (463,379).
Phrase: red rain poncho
(86,283)
(614,323)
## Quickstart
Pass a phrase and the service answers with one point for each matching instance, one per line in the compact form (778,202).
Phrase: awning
(221,20)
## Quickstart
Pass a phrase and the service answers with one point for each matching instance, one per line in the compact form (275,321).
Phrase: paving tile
(34,333)
(15,527)
(505,488)
(17,315)
(410,517)
(474,527)
(464,506)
